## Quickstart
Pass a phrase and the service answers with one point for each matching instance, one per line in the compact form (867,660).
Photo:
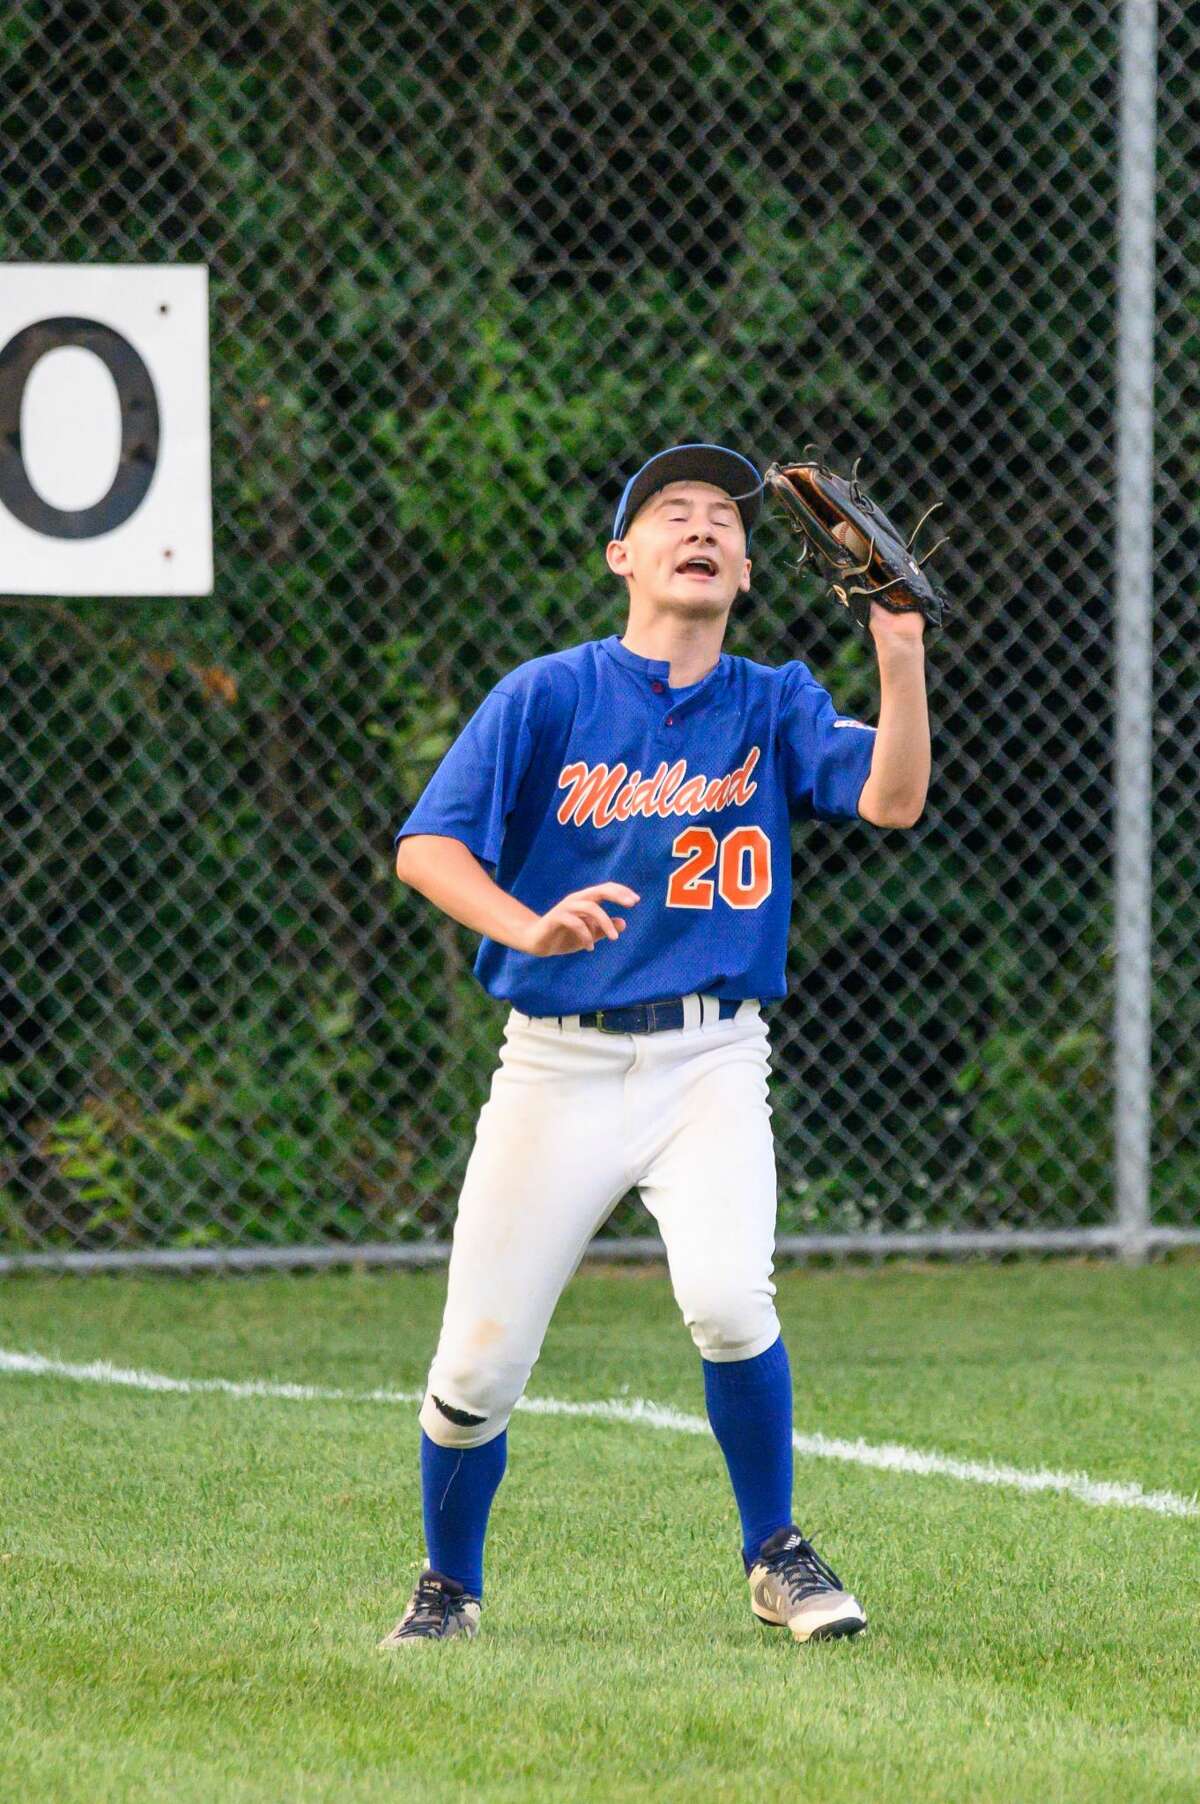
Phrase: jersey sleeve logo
(597,795)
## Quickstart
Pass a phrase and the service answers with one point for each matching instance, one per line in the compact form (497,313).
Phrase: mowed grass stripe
(1099,1493)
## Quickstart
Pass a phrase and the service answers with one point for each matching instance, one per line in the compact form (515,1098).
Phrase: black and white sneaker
(439,1608)
(791,1587)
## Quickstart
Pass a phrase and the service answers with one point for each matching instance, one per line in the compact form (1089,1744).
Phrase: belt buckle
(601,1023)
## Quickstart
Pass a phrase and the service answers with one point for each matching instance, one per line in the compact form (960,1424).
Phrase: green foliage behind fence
(469,266)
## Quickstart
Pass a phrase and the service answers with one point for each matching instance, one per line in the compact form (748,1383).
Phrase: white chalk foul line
(883,1457)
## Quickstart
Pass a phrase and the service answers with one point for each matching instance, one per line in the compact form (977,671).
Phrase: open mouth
(704,569)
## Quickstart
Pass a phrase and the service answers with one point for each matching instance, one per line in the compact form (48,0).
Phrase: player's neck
(691,647)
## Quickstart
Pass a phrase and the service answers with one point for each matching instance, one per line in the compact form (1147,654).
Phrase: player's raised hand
(578,921)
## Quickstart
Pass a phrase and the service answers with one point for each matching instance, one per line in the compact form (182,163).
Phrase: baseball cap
(727,470)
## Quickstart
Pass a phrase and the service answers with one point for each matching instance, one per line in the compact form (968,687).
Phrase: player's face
(685,550)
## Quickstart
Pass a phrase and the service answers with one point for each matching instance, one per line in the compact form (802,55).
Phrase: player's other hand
(578,921)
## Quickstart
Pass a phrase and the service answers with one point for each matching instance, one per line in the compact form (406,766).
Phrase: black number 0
(139,428)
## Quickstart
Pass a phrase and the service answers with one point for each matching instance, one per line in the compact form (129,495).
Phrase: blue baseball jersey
(586,767)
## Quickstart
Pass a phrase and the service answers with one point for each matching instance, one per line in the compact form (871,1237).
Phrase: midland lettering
(599,796)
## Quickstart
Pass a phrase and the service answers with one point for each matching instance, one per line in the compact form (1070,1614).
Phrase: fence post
(1134,615)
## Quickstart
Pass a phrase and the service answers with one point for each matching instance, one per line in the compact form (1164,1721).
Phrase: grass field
(192,1585)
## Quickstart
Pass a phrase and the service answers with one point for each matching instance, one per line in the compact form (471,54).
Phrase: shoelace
(429,1608)
(803,1571)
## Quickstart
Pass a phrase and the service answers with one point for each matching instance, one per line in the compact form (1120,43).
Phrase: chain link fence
(469,266)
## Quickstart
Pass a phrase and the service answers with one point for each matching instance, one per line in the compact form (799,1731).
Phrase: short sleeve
(474,789)
(826,755)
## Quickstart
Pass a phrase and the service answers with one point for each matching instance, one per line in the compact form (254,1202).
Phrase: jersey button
(670,720)
(657,688)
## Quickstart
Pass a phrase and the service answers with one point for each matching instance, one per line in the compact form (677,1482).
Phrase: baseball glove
(870,560)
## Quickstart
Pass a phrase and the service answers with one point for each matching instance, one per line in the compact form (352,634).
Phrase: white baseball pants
(576,1118)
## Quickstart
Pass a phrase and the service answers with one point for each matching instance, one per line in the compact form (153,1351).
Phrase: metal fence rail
(469,265)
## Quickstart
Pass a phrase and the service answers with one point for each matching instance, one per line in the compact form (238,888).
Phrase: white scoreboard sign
(105,485)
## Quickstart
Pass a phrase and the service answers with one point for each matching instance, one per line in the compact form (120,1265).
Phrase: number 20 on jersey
(743,861)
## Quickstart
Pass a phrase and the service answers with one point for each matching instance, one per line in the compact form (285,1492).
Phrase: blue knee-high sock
(749,1404)
(457,1487)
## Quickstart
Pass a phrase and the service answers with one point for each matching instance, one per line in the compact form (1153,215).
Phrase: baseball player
(614,820)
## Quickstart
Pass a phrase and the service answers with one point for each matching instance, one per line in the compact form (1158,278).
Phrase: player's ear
(744,585)
(616,556)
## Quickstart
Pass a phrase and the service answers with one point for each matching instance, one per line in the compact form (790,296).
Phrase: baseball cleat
(438,1609)
(792,1587)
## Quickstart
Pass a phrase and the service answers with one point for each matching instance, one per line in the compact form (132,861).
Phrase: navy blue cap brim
(727,470)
